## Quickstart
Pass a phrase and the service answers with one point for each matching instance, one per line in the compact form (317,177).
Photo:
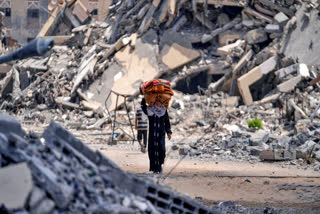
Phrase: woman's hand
(169,136)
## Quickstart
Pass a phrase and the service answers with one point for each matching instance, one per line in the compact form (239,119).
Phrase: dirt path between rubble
(261,184)
(254,185)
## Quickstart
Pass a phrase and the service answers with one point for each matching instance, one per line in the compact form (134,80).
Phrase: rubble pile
(230,52)
(212,127)
(57,173)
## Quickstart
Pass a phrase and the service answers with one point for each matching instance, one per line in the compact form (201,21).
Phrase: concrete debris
(229,61)
(15,185)
(76,180)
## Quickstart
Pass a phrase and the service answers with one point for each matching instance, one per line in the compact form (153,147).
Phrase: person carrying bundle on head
(159,122)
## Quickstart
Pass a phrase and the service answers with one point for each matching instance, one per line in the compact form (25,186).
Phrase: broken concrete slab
(132,67)
(85,68)
(176,51)
(290,84)
(281,18)
(272,28)
(224,2)
(170,54)
(303,36)
(281,73)
(252,76)
(15,186)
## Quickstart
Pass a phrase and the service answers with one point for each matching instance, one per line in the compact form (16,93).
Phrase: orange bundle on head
(157,89)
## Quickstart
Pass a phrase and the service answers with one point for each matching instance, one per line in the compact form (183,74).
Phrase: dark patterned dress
(158,127)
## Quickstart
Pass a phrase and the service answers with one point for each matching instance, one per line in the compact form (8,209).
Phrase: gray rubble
(233,61)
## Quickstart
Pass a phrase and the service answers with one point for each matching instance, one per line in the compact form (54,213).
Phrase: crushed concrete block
(15,185)
(272,28)
(256,36)
(290,84)
(281,18)
(231,101)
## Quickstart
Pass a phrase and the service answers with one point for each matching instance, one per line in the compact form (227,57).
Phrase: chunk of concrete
(278,155)
(45,207)
(259,138)
(281,73)
(272,28)
(281,18)
(15,185)
(175,50)
(9,124)
(227,50)
(256,36)
(266,155)
(290,84)
(36,196)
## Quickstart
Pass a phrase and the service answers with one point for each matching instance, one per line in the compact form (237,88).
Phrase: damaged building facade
(23,19)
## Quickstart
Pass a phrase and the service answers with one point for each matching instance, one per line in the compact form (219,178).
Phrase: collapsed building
(232,61)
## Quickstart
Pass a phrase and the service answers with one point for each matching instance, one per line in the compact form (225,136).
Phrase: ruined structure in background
(25,18)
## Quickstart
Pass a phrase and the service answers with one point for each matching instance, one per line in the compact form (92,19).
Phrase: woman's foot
(143,149)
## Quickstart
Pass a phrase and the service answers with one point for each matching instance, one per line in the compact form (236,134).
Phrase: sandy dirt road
(259,184)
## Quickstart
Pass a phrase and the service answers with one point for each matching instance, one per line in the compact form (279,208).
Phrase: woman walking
(159,124)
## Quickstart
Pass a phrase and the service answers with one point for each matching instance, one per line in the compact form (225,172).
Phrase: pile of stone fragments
(57,173)
(238,59)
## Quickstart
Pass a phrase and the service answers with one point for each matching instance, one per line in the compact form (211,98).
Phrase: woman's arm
(167,125)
